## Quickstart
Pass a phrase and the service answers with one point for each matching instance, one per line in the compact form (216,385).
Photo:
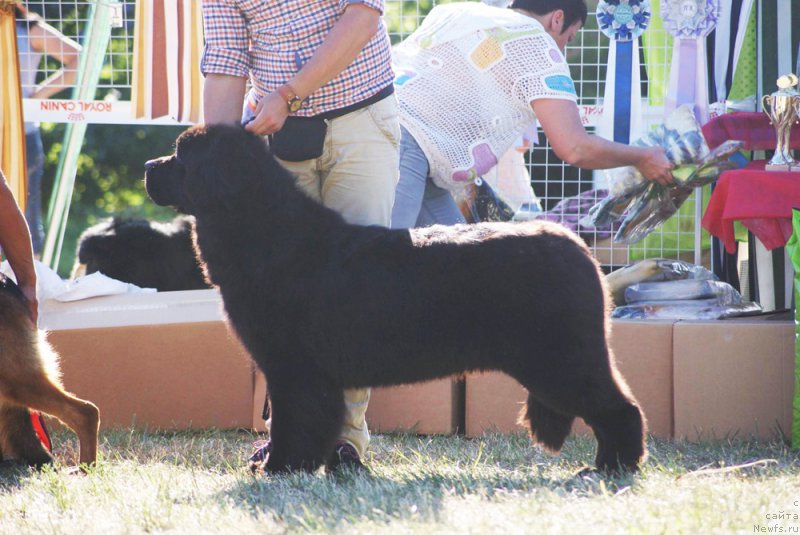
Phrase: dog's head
(211,166)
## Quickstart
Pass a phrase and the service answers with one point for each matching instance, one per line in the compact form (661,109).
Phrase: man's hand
(654,165)
(271,112)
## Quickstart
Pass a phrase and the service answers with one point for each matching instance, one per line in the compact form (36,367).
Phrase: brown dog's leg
(18,440)
(81,416)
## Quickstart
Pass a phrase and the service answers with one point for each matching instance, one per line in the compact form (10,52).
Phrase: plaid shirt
(270,40)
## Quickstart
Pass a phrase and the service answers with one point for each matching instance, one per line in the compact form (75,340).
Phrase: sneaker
(345,456)
(263,447)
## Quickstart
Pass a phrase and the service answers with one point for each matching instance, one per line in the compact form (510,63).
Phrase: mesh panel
(551,179)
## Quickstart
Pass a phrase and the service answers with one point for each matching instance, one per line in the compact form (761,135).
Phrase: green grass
(197,482)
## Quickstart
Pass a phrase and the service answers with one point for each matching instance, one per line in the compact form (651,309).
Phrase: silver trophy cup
(781,107)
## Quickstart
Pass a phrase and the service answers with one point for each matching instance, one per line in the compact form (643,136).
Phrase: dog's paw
(257,468)
(258,460)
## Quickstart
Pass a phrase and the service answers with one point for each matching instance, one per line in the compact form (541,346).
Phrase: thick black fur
(145,253)
(323,305)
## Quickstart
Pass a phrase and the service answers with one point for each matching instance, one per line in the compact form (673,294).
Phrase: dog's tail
(546,426)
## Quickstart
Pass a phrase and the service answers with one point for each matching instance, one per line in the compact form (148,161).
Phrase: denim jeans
(33,207)
(418,201)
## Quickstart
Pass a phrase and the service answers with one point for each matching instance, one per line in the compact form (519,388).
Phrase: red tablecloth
(751,127)
(761,200)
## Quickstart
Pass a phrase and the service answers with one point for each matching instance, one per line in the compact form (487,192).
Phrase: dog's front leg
(307,413)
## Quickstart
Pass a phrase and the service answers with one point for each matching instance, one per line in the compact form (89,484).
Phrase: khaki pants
(356,175)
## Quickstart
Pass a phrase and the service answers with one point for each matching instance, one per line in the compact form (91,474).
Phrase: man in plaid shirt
(329,59)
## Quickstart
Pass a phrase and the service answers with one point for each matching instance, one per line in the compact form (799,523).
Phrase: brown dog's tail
(546,426)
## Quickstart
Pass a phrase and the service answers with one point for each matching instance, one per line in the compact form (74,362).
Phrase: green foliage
(111,164)
(109,178)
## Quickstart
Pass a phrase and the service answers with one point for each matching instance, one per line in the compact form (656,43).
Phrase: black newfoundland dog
(145,253)
(323,305)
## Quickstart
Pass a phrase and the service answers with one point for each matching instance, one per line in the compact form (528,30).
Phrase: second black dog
(145,253)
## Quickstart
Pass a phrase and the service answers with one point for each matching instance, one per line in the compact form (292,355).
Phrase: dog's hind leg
(620,434)
(18,440)
(620,428)
(307,413)
(41,394)
(601,398)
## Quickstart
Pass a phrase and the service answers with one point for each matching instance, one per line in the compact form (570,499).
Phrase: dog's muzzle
(163,181)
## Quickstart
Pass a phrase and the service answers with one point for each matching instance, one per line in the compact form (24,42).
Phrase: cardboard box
(733,377)
(493,403)
(424,408)
(162,360)
(643,351)
(427,408)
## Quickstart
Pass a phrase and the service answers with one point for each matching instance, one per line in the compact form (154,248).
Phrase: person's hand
(33,305)
(271,112)
(655,166)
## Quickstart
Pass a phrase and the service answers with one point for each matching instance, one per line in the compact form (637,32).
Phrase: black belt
(377,97)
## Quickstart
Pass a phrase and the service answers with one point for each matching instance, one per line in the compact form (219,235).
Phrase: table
(761,200)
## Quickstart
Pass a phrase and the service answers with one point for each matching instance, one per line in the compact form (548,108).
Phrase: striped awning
(12,125)
(168,43)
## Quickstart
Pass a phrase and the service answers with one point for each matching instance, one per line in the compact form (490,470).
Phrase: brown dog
(29,379)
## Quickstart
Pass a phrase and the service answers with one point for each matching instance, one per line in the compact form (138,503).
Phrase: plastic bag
(658,203)
(722,292)
(653,270)
(696,309)
(676,290)
(646,204)
(680,136)
(502,194)
(793,250)
(671,270)
(480,202)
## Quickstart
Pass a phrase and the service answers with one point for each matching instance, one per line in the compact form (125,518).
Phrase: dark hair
(574,10)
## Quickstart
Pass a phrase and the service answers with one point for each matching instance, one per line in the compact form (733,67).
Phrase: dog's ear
(221,162)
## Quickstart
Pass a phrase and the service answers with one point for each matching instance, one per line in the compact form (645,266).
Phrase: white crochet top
(465,80)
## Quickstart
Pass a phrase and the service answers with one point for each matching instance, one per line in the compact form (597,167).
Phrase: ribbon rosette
(622,21)
(689,22)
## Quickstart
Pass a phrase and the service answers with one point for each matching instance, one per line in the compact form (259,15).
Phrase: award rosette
(689,22)
(622,21)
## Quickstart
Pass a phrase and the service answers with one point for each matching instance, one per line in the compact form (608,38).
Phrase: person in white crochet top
(470,81)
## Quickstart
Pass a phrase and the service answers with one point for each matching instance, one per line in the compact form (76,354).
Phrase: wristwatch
(293,102)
